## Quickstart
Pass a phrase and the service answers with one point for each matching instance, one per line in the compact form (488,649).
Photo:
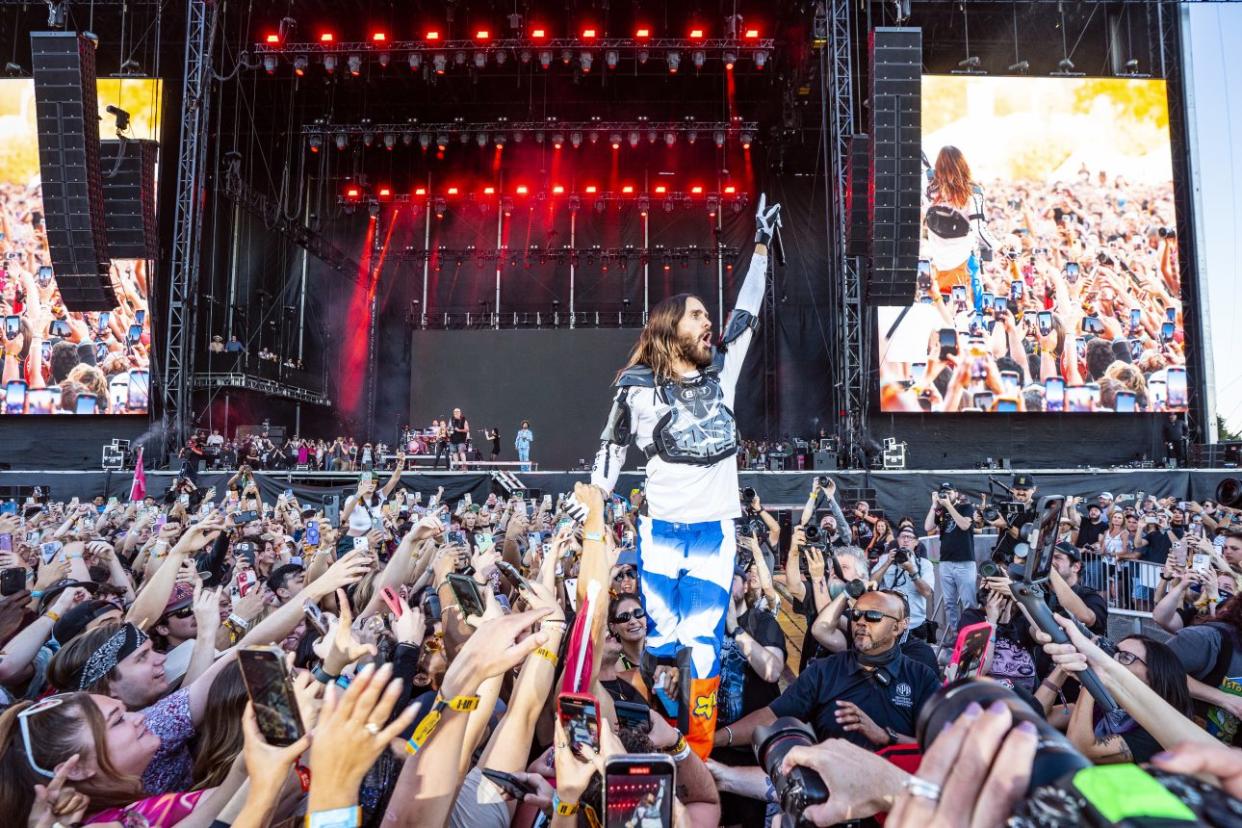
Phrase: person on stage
(459,436)
(493,434)
(674,401)
(956,220)
(522,443)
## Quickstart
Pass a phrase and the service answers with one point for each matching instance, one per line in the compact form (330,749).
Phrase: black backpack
(947,222)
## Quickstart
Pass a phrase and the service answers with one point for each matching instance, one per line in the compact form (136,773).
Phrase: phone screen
(1015,289)
(1078,398)
(1006,406)
(15,397)
(948,342)
(959,293)
(466,591)
(104,318)
(85,404)
(1045,322)
(580,718)
(268,685)
(39,401)
(1125,402)
(1136,316)
(1071,271)
(140,317)
(1166,332)
(638,791)
(12,326)
(135,333)
(983,400)
(312,533)
(999,304)
(314,617)
(1175,378)
(139,390)
(1012,381)
(918,370)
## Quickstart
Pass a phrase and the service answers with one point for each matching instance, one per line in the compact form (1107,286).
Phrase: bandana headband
(119,646)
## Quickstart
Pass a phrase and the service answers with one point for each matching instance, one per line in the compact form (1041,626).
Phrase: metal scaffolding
(201,17)
(848,362)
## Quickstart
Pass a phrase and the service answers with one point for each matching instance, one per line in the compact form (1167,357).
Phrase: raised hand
(767,220)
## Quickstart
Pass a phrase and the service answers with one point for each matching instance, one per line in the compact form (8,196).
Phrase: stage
(897,493)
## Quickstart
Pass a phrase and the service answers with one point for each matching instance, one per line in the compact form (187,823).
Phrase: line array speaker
(858,198)
(66,112)
(896,138)
(128,169)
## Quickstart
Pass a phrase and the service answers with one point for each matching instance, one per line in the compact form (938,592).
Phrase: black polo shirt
(812,698)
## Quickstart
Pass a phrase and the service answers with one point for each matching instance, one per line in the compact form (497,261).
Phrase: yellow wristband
(565,808)
(462,704)
(55,616)
(544,652)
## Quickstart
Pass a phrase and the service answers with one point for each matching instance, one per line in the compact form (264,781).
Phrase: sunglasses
(626,572)
(1127,658)
(24,719)
(870,616)
(184,612)
(624,617)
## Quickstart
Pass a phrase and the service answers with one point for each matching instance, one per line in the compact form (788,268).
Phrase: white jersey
(686,492)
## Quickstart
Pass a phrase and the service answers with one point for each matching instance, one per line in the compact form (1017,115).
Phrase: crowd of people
(213,658)
(1057,297)
(57,361)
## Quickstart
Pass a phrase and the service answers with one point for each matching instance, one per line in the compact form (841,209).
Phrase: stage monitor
(1048,257)
(66,362)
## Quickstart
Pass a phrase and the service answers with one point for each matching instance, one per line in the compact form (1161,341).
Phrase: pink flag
(139,488)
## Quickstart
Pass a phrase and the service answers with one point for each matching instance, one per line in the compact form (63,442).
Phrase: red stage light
(752,33)
(521,189)
(628,188)
(590,188)
(433,35)
(482,34)
(420,191)
(696,189)
(273,38)
(452,191)
(587,34)
(538,34)
(489,191)
(557,189)
(327,37)
(379,37)
(729,188)
(642,33)
(660,188)
(352,192)
(696,34)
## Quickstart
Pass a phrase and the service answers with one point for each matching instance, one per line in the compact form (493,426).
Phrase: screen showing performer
(1048,276)
(57,361)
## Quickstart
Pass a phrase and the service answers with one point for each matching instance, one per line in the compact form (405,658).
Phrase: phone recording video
(15,397)
(139,390)
(639,790)
(969,652)
(271,692)
(1175,378)
(579,716)
(12,326)
(466,591)
(1125,402)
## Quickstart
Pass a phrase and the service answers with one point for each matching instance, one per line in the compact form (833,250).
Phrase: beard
(695,350)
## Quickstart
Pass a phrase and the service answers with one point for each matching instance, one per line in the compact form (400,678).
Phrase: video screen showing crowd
(58,361)
(1049,276)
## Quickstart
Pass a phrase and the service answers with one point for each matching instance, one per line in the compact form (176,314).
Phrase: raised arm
(614,442)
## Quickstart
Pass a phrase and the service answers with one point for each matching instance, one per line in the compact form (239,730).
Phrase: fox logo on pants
(705,706)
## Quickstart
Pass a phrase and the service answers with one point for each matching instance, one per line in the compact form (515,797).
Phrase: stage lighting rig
(121,116)
(1020,68)
(1065,69)
(969,66)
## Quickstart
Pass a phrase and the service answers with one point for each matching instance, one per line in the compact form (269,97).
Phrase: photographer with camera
(907,570)
(1017,513)
(952,518)
(870,695)
(757,523)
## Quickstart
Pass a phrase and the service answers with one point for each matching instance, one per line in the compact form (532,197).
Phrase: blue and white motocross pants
(686,578)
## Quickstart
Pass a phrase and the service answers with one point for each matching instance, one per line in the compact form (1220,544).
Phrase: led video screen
(55,361)
(1048,258)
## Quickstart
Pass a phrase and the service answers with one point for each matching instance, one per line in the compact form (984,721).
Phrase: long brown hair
(55,735)
(220,736)
(952,177)
(657,345)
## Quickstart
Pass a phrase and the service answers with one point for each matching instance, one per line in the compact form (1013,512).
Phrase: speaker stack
(896,139)
(67,114)
(128,172)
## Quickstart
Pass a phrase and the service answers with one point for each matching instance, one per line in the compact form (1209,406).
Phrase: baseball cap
(74,622)
(627,557)
(57,587)
(947,486)
(1023,481)
(1106,495)
(1069,550)
(182,596)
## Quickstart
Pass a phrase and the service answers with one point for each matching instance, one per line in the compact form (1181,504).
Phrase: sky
(1215,67)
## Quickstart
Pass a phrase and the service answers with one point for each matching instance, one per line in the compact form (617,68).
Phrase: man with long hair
(674,401)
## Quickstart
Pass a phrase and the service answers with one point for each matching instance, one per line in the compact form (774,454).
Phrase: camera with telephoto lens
(799,788)
(900,556)
(856,588)
(991,569)
(990,513)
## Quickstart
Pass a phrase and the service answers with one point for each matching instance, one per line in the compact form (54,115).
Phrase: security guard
(870,694)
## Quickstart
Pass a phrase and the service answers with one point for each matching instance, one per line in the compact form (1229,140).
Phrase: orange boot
(702,705)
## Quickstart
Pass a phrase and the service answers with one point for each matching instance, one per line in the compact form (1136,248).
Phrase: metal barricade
(1128,586)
